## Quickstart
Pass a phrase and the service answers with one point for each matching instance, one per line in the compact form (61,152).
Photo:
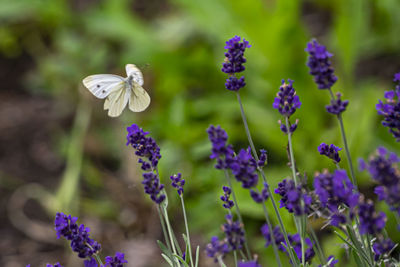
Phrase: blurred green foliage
(179,46)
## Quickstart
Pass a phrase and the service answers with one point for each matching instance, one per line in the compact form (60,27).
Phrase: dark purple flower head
(279,238)
(220,150)
(330,262)
(263,158)
(382,246)
(53,265)
(249,264)
(383,168)
(335,189)
(286,100)
(90,263)
(262,196)
(178,182)
(293,196)
(371,222)
(228,204)
(117,261)
(153,187)
(217,248)
(295,241)
(244,168)
(234,57)
(81,243)
(145,147)
(234,233)
(292,127)
(234,84)
(391,109)
(320,65)
(337,106)
(331,151)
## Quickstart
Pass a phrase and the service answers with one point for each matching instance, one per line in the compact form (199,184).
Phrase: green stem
(346,147)
(271,230)
(169,228)
(321,254)
(163,228)
(289,246)
(300,221)
(238,213)
(235,258)
(187,231)
(220,261)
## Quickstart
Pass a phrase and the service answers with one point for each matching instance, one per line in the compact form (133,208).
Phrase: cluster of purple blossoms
(145,147)
(337,106)
(294,198)
(249,264)
(286,100)
(234,59)
(382,246)
(149,152)
(383,169)
(178,182)
(330,262)
(371,222)
(294,240)
(217,248)
(331,151)
(244,168)
(220,150)
(234,233)
(81,243)
(320,65)
(391,109)
(50,265)
(228,204)
(333,191)
(117,261)
(263,158)
(260,197)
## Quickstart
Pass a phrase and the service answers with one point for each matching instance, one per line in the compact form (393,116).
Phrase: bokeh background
(59,151)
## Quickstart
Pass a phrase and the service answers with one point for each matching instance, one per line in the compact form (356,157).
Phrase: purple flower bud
(178,182)
(228,204)
(217,248)
(337,106)
(286,100)
(331,151)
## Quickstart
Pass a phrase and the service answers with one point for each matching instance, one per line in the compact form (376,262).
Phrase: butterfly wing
(101,85)
(132,70)
(117,100)
(139,99)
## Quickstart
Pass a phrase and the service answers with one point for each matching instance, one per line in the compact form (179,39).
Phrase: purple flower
(330,262)
(117,261)
(220,150)
(244,168)
(233,63)
(371,222)
(90,263)
(292,197)
(153,187)
(286,100)
(391,109)
(295,241)
(263,158)
(78,235)
(178,182)
(331,151)
(262,196)
(383,167)
(234,233)
(382,246)
(249,264)
(144,146)
(279,238)
(337,106)
(320,65)
(228,204)
(217,248)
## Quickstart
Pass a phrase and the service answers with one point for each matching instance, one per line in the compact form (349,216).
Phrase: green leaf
(167,259)
(197,256)
(180,259)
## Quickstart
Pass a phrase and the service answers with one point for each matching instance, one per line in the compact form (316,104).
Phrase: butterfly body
(119,91)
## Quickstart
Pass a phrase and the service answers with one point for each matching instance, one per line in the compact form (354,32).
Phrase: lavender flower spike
(331,151)
(320,65)
(217,248)
(117,261)
(220,150)
(228,204)
(234,60)
(391,109)
(337,106)
(286,100)
(178,182)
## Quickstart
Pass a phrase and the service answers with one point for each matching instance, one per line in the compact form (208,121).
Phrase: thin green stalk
(95,255)
(321,254)
(169,228)
(301,221)
(187,231)
(275,248)
(221,262)
(290,249)
(235,258)
(346,147)
(238,213)
(163,228)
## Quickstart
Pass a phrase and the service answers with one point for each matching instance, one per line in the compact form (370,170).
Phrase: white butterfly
(118,91)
